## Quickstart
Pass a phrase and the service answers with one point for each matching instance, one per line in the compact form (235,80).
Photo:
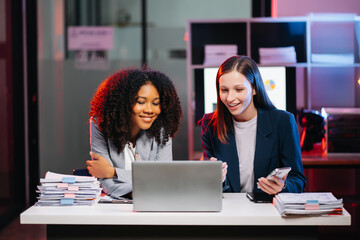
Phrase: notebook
(177,186)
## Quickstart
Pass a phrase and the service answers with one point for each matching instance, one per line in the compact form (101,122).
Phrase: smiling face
(146,109)
(237,94)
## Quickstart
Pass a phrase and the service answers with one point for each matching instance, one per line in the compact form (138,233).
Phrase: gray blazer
(148,149)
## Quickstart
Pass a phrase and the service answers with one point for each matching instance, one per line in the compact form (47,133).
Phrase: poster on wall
(91,45)
(90,38)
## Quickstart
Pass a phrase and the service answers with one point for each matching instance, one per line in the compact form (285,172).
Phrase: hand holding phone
(279,172)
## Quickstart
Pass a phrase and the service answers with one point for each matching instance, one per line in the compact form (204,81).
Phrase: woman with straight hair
(249,134)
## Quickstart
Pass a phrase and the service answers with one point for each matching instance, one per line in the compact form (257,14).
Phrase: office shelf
(338,35)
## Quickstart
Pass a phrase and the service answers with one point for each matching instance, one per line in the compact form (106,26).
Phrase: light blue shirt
(146,147)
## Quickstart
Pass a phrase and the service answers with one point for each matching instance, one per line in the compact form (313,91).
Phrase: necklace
(132,150)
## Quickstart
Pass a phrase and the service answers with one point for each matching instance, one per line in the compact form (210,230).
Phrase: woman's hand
(224,168)
(273,186)
(99,167)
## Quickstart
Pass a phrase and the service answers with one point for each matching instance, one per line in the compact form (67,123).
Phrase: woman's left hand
(273,186)
(224,168)
(99,167)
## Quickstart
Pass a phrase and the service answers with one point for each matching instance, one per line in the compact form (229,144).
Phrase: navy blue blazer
(277,145)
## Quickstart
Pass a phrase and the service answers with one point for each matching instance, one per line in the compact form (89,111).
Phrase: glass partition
(166,47)
(81,42)
(69,70)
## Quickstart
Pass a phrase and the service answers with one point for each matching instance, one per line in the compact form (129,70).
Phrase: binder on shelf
(215,55)
(345,58)
(332,16)
(277,55)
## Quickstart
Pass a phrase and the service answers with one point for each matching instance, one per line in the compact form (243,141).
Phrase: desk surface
(237,211)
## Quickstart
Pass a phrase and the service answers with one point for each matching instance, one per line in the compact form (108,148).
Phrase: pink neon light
(274,13)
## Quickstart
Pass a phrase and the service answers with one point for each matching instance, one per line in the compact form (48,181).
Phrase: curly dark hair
(111,106)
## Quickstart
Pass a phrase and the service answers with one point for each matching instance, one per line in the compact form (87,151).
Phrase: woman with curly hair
(134,114)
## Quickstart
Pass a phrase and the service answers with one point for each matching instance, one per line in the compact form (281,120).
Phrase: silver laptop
(177,186)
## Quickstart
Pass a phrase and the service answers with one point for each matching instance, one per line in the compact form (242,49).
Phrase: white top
(237,210)
(129,151)
(245,137)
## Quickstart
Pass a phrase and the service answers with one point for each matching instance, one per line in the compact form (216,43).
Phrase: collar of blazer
(264,145)
(144,145)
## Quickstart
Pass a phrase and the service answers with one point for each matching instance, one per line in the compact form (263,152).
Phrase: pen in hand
(137,157)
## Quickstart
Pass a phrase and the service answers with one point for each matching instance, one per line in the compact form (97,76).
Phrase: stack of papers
(64,190)
(215,55)
(333,58)
(312,203)
(279,55)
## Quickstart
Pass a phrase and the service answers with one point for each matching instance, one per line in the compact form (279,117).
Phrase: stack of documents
(215,55)
(333,58)
(311,203)
(279,55)
(59,190)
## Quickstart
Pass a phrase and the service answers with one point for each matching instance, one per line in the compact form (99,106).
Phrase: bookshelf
(314,37)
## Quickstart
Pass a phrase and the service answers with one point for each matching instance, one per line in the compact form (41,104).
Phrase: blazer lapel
(143,146)
(230,156)
(264,145)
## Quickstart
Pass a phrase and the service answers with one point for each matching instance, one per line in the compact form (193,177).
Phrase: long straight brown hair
(222,118)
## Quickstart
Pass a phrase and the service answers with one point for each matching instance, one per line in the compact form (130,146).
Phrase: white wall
(340,83)
(286,8)
(174,13)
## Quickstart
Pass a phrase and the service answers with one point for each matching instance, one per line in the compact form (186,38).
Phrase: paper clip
(312,205)
(68,179)
(69,195)
(62,185)
(73,188)
(67,201)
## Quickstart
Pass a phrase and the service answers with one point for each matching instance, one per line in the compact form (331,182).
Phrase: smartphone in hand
(279,172)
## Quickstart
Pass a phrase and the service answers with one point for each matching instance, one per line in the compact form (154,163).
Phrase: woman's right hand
(99,167)
(224,168)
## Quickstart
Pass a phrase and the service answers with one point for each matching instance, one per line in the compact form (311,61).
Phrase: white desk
(237,212)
